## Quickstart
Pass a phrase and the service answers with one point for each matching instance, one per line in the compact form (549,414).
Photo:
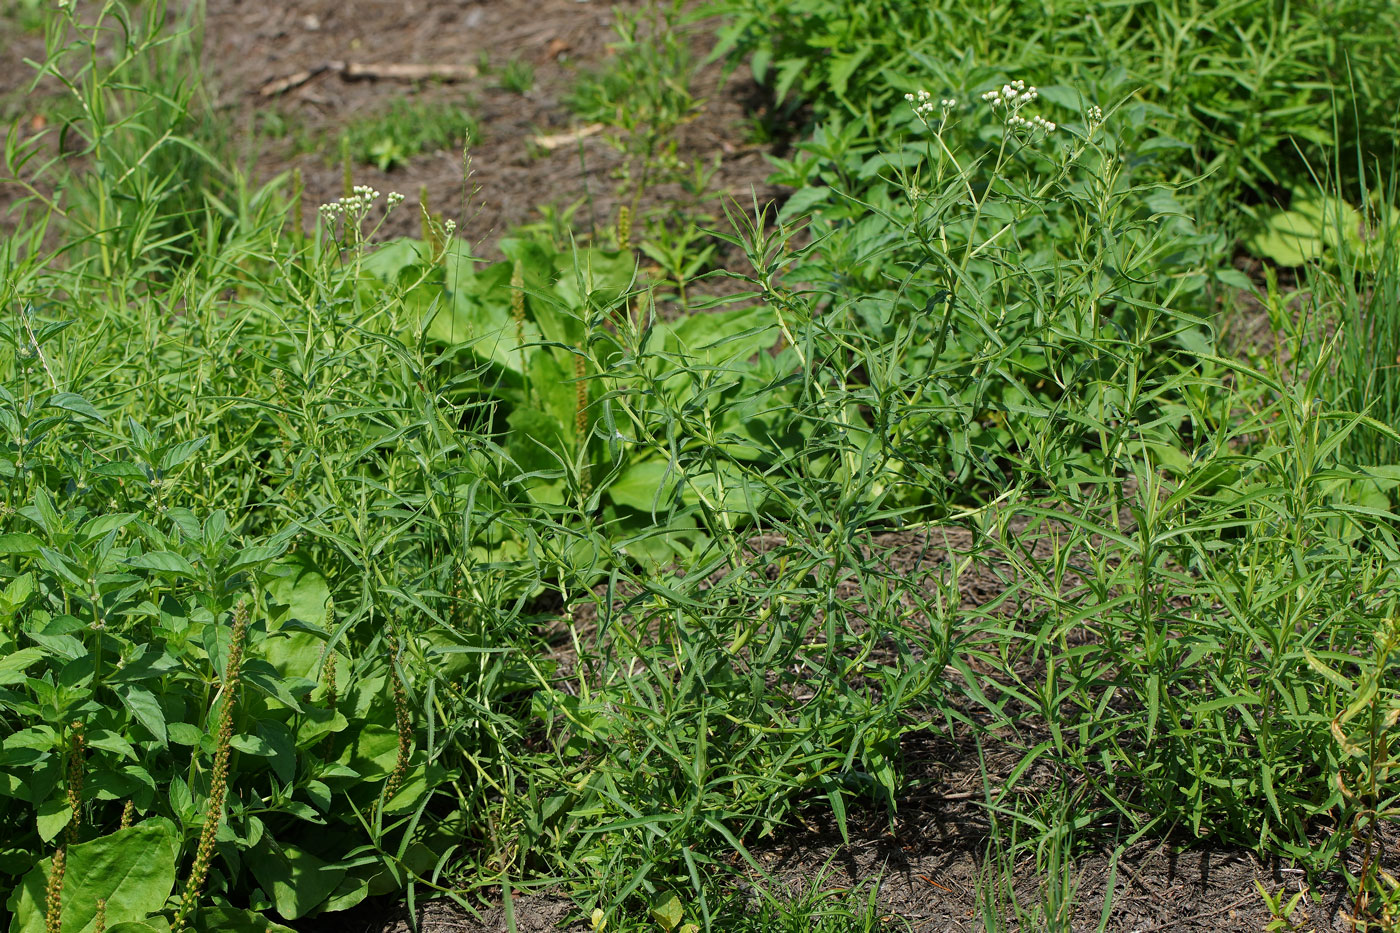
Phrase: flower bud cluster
(1035,122)
(924,106)
(1014,95)
(361,199)
(1009,102)
(218,782)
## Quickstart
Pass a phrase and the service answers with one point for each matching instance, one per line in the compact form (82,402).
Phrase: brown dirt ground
(930,861)
(251,42)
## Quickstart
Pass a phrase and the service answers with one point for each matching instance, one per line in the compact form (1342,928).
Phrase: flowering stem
(218,785)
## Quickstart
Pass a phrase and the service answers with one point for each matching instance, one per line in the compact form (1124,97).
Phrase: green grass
(498,580)
(408,128)
(517,76)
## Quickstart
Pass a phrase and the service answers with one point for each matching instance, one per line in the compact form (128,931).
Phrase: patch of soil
(531,913)
(251,42)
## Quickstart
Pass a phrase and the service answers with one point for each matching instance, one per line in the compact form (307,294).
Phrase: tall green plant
(146,187)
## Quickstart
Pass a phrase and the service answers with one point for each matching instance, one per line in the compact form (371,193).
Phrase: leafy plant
(408,128)
(1363,732)
(644,94)
(517,76)
(333,567)
(1228,93)
(1281,911)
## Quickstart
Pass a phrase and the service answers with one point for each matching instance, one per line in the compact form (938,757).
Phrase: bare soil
(249,43)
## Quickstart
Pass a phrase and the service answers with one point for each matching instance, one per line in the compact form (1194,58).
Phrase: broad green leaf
(20,544)
(1300,234)
(19,589)
(133,870)
(351,892)
(647,486)
(53,815)
(146,708)
(233,920)
(723,336)
(298,881)
(669,913)
(537,441)
(303,594)
(102,524)
(69,401)
(12,666)
(163,562)
(372,752)
(181,452)
(120,469)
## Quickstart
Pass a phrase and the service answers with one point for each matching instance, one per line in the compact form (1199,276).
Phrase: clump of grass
(408,128)
(643,94)
(517,76)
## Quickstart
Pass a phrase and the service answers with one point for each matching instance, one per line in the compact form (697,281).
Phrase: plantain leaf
(133,870)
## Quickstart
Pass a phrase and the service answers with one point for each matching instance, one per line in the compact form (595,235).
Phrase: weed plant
(333,567)
(407,128)
(1216,99)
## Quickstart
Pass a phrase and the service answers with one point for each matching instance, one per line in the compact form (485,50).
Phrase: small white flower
(1011,100)
(923,104)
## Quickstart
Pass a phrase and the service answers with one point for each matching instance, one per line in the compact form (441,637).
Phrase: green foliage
(1224,91)
(517,76)
(542,585)
(1364,732)
(407,128)
(1358,293)
(132,870)
(154,181)
(644,94)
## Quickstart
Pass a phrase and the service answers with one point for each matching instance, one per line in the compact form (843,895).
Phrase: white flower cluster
(1035,122)
(924,107)
(1094,116)
(362,197)
(1014,95)
(1011,99)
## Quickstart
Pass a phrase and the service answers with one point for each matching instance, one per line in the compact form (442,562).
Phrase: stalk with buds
(624,228)
(53,892)
(581,419)
(75,782)
(402,724)
(218,785)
